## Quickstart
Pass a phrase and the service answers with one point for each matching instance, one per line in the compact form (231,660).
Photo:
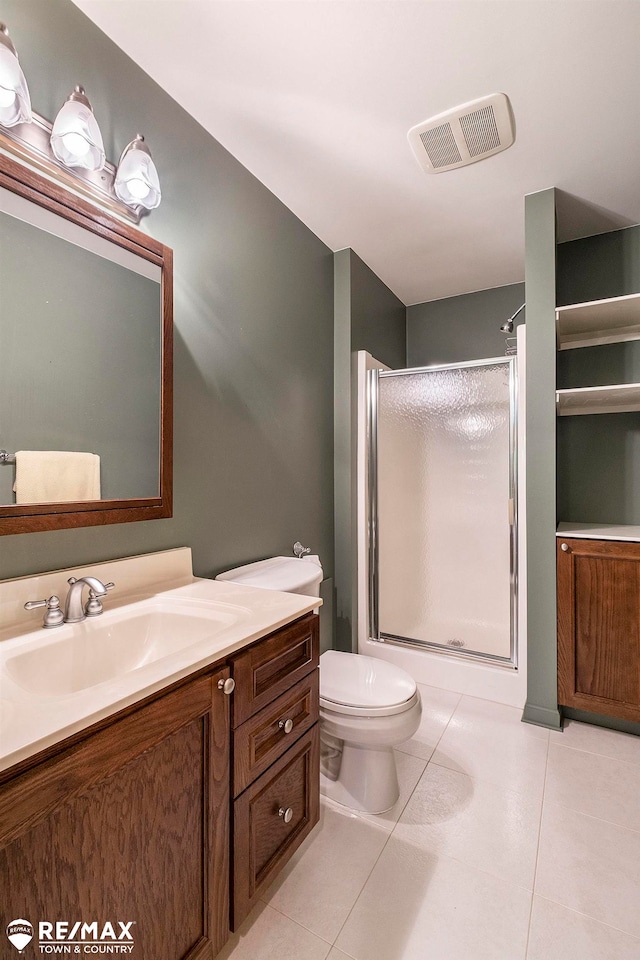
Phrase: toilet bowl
(367,706)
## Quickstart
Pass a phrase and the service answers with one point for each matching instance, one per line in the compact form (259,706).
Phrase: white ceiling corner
(315,97)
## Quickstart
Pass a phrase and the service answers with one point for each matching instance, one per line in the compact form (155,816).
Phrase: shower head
(507,326)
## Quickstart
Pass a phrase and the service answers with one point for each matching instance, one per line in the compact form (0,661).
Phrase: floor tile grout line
(493,783)
(353,906)
(535,868)
(587,916)
(603,756)
(297,923)
(373,866)
(591,816)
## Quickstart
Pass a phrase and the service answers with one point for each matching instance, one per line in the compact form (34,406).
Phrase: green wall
(253,448)
(461,328)
(368,316)
(378,317)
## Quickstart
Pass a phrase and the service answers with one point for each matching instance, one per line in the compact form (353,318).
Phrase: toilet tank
(288,574)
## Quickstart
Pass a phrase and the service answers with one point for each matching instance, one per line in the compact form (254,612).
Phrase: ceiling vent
(458,137)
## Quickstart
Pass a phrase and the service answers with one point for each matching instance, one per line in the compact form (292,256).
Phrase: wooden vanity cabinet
(135,818)
(599,626)
(276,748)
(131,823)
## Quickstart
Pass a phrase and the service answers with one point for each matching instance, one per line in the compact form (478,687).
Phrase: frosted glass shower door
(445,514)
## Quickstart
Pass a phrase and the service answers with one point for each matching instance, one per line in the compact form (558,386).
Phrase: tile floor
(508,842)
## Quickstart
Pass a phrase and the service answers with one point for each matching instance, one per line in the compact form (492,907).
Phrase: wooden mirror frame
(32,518)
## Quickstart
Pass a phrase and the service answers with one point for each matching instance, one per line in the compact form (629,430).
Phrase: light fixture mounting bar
(30,144)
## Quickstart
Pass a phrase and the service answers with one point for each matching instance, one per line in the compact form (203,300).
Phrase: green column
(540,284)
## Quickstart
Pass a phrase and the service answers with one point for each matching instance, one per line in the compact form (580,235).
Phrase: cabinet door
(599,626)
(271,819)
(131,824)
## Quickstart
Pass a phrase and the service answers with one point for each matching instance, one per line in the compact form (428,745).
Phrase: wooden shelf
(599,321)
(617,398)
(599,531)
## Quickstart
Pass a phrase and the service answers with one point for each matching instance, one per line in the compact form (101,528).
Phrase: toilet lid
(359,681)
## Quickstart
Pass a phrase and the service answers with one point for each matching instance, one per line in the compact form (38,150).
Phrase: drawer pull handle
(565,547)
(286,725)
(227,686)
(286,813)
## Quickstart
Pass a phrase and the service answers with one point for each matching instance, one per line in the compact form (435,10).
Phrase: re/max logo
(63,930)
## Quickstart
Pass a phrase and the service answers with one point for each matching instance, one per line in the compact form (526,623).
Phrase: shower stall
(439,553)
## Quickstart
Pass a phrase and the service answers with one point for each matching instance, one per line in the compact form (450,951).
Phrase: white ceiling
(315,97)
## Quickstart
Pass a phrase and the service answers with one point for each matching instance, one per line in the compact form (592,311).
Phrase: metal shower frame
(373,553)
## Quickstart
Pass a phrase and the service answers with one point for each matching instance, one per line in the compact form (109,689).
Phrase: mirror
(86,346)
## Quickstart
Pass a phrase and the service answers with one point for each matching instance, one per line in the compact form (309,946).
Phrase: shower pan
(442,509)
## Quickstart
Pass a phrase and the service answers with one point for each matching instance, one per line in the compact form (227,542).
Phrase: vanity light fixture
(137,182)
(71,151)
(75,138)
(15,102)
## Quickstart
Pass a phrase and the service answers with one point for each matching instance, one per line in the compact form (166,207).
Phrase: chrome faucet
(74,612)
(299,550)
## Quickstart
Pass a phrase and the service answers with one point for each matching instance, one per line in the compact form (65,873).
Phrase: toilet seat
(347,710)
(360,685)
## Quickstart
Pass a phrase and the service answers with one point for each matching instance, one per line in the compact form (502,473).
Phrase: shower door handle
(512,511)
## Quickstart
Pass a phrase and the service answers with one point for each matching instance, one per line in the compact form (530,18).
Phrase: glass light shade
(75,138)
(15,102)
(137,182)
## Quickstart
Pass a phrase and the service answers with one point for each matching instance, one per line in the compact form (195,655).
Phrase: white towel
(56,476)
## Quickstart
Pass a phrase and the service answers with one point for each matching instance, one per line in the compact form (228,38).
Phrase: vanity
(159,750)
(160,762)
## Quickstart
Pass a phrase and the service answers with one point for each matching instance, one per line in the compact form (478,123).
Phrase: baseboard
(598,720)
(542,716)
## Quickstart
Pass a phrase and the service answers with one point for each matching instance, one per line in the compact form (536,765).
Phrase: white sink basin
(82,655)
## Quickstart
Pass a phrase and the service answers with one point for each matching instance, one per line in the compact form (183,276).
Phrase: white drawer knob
(286,725)
(565,547)
(286,813)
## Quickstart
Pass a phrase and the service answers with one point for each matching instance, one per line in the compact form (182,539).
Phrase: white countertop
(599,531)
(29,723)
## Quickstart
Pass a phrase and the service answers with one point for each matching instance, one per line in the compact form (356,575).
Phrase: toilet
(367,706)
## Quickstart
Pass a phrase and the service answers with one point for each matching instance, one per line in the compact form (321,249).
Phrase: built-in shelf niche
(614,398)
(614,320)
(600,531)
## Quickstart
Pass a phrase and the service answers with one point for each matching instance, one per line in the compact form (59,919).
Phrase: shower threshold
(446,650)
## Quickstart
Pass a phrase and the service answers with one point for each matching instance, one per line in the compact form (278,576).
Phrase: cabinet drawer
(263,841)
(271,667)
(263,738)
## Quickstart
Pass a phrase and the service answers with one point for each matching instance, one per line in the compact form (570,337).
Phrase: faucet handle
(299,550)
(93,606)
(53,616)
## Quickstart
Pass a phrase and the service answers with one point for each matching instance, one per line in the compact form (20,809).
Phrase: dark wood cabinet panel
(264,836)
(131,821)
(266,736)
(131,824)
(272,666)
(599,626)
